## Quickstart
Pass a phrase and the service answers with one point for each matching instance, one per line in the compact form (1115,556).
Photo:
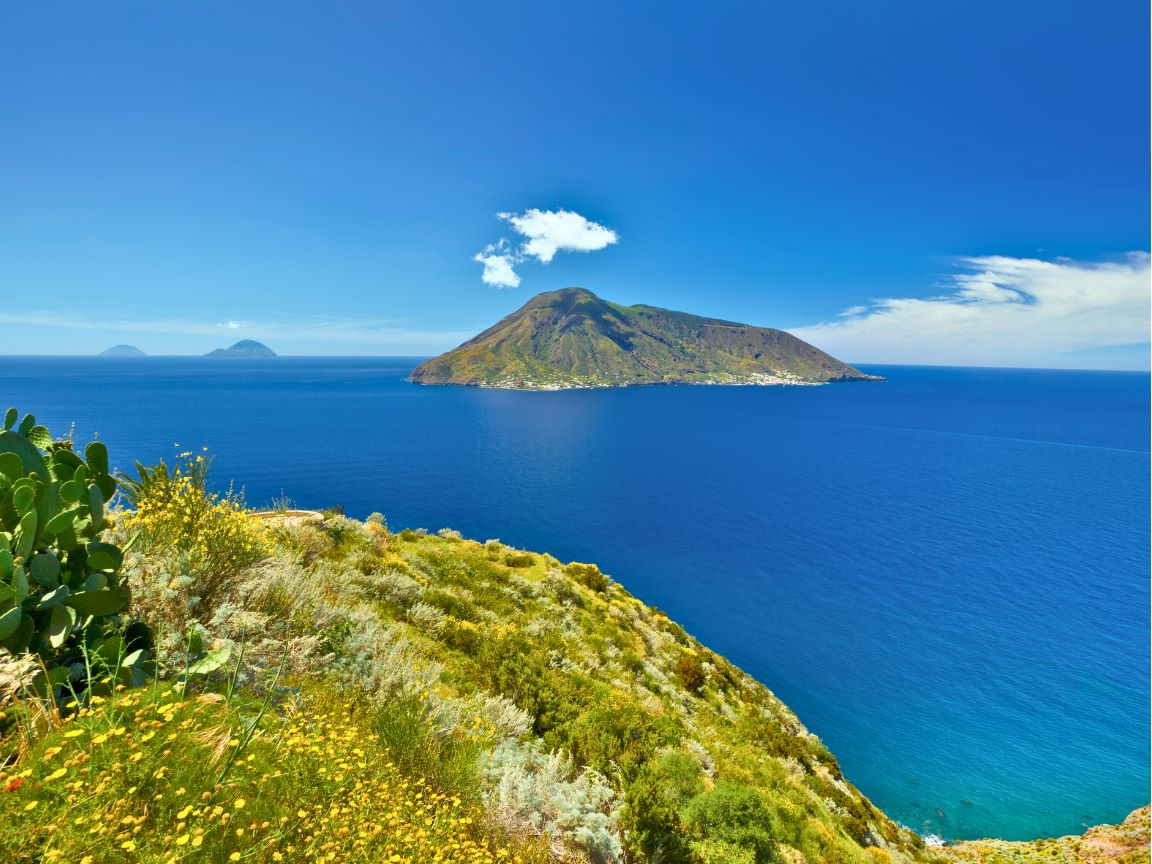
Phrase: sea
(946,574)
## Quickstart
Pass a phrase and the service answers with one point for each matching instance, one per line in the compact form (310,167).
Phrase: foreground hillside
(572,338)
(188,680)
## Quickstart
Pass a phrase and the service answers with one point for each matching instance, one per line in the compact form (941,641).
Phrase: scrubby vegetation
(1127,843)
(156,775)
(327,690)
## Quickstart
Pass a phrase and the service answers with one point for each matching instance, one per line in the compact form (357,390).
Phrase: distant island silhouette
(244,348)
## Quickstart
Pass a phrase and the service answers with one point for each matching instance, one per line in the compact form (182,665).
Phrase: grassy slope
(619,686)
(573,337)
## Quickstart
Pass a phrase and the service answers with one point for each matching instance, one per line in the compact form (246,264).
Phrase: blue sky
(969,181)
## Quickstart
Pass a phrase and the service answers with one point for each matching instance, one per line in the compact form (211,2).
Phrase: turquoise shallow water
(946,574)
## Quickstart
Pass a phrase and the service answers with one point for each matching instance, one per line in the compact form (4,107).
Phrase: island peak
(243,348)
(573,338)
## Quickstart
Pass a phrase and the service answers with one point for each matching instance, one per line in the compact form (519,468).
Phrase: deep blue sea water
(945,575)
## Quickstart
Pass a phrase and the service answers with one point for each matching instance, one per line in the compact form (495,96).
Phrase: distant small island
(572,338)
(122,351)
(244,348)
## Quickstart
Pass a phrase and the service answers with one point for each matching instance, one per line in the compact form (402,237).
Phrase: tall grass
(446,760)
(140,777)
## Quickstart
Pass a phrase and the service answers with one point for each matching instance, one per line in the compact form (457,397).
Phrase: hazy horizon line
(144,356)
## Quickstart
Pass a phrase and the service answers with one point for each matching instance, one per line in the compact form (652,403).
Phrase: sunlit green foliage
(152,776)
(61,596)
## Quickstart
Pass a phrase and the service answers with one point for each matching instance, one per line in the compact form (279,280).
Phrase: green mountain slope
(572,338)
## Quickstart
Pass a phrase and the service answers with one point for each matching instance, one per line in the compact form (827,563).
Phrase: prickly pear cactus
(60,596)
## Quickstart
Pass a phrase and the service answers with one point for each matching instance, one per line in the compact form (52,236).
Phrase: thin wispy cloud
(545,233)
(999,309)
(320,329)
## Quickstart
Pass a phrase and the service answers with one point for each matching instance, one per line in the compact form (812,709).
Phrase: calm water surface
(945,575)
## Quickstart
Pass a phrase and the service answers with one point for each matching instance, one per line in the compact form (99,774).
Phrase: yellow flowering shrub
(149,776)
(214,538)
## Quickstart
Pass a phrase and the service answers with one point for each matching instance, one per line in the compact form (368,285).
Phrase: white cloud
(232,325)
(498,261)
(552,231)
(1000,310)
(547,232)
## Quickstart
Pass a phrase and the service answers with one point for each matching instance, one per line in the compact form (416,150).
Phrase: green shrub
(60,594)
(775,738)
(652,805)
(588,575)
(516,666)
(450,603)
(729,678)
(563,589)
(461,635)
(681,776)
(733,814)
(678,632)
(691,672)
(397,587)
(615,731)
(650,821)
(518,559)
